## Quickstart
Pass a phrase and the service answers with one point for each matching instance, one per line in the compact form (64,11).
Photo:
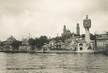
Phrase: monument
(87,26)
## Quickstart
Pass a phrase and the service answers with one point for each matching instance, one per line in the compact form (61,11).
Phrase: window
(75,48)
(81,48)
(80,44)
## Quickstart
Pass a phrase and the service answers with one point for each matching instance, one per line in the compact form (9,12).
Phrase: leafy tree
(16,44)
(41,41)
(37,42)
(31,42)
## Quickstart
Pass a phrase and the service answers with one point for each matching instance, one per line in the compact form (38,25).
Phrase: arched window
(81,48)
(80,44)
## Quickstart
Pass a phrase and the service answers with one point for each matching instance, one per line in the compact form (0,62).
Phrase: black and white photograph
(53,36)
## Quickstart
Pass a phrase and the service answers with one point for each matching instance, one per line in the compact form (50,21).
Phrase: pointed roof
(11,38)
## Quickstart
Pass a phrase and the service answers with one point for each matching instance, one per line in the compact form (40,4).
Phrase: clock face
(87,23)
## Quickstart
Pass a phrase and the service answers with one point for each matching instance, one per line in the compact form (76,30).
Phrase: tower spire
(86,16)
(64,29)
(78,29)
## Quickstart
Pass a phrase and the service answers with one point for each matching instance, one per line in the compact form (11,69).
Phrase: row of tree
(37,42)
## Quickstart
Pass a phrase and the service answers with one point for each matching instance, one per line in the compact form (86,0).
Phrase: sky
(47,17)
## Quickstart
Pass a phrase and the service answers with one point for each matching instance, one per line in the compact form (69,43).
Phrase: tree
(16,44)
(31,42)
(41,41)
(37,42)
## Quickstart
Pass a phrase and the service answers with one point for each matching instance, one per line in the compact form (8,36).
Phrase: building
(25,42)
(8,43)
(102,42)
(66,33)
(87,26)
(25,46)
(78,29)
(82,46)
(86,44)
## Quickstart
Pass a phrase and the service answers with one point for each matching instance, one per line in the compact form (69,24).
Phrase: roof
(102,38)
(10,39)
(24,40)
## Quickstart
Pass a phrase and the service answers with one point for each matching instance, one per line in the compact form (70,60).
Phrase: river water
(53,63)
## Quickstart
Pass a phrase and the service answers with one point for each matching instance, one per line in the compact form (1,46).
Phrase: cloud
(19,17)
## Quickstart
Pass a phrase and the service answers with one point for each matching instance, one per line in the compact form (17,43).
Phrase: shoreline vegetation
(37,45)
(40,45)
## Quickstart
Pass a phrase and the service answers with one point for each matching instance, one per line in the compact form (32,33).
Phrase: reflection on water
(53,63)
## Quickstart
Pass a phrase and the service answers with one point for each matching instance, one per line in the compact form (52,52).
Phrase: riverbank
(53,51)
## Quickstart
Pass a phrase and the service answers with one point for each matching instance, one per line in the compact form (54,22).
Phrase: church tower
(87,26)
(64,29)
(78,29)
